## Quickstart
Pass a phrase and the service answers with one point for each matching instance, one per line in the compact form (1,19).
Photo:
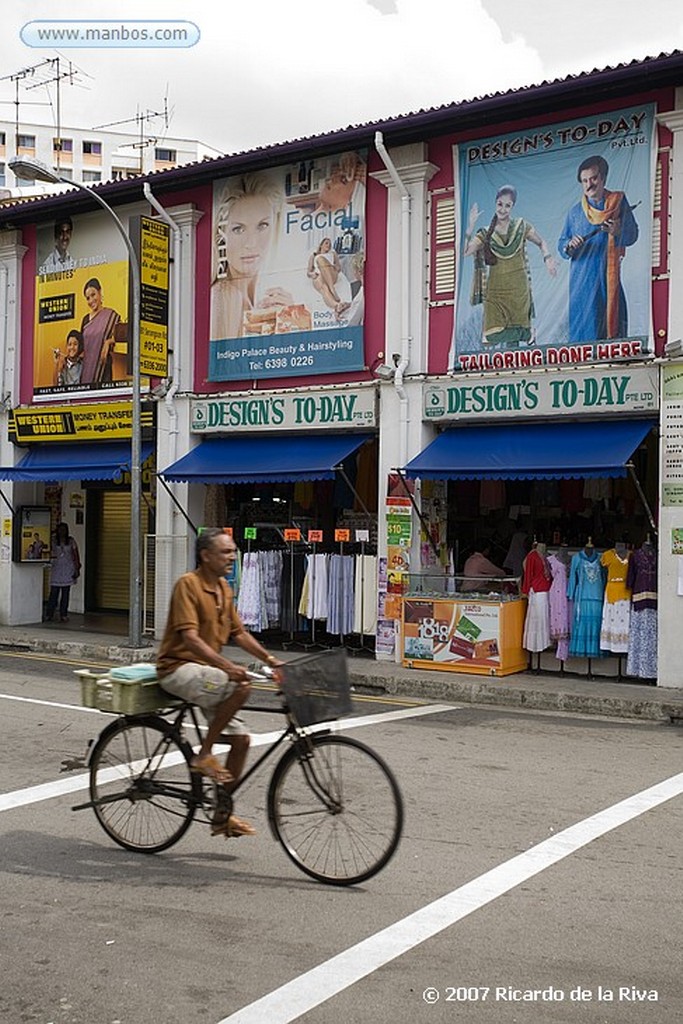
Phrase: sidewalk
(524,690)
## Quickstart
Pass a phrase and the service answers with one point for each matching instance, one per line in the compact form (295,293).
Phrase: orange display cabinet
(477,632)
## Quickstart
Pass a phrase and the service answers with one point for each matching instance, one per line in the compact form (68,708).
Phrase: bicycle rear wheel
(143,793)
(336,809)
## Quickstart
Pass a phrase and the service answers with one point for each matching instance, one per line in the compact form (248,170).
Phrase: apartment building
(92,156)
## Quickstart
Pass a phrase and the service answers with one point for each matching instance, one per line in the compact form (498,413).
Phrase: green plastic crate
(121,696)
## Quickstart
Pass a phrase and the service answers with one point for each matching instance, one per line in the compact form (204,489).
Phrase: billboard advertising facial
(288,250)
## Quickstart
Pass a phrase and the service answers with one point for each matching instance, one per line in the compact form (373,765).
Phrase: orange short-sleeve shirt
(194,605)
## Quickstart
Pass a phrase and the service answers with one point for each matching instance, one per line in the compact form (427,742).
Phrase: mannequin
(559,605)
(536,581)
(616,609)
(642,580)
(586,588)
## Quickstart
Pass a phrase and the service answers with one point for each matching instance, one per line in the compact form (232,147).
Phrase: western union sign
(105,421)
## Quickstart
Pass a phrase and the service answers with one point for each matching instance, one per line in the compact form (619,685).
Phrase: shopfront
(566,464)
(76,464)
(293,475)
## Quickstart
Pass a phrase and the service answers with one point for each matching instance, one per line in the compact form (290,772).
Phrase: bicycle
(333,804)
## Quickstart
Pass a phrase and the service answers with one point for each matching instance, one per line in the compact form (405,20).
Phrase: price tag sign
(362,536)
(227,530)
(250,533)
(341,536)
(292,534)
(315,536)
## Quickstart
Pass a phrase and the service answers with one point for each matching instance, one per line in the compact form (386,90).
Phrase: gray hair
(205,541)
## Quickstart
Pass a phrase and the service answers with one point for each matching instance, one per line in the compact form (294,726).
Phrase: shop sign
(105,421)
(311,410)
(154,246)
(547,274)
(672,435)
(582,392)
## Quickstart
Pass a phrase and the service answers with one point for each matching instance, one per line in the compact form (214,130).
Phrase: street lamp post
(28,169)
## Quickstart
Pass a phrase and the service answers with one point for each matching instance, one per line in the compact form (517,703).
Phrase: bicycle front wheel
(336,809)
(142,791)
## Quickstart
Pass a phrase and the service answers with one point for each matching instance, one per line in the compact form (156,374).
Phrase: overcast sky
(266,71)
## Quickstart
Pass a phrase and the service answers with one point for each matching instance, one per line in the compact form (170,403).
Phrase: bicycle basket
(316,686)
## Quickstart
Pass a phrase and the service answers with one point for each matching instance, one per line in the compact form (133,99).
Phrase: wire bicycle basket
(316,686)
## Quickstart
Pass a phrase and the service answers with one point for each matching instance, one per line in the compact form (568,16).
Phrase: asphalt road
(538,880)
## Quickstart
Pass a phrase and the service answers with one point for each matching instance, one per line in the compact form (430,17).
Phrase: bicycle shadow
(34,854)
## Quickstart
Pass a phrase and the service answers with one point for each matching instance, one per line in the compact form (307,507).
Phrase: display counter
(463,625)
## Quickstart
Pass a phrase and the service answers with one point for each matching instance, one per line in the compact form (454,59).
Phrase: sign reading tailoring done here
(352,408)
(582,392)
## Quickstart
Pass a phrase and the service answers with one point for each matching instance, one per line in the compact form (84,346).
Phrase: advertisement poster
(288,258)
(447,632)
(554,242)
(81,308)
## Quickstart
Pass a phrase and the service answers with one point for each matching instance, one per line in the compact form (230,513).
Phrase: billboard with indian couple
(288,259)
(554,230)
(80,342)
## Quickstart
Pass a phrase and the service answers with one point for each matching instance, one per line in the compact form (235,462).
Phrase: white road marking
(302,994)
(76,783)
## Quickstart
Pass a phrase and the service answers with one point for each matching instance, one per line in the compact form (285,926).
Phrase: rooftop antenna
(35,77)
(140,119)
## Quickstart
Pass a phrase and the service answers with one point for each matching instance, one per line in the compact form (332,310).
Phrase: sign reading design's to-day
(352,408)
(582,392)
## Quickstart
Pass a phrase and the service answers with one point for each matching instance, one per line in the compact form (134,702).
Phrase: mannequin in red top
(536,582)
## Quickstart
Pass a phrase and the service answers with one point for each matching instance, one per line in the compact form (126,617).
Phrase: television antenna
(43,74)
(141,119)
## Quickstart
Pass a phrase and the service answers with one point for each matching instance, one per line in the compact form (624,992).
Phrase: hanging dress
(642,579)
(536,583)
(559,607)
(586,588)
(616,611)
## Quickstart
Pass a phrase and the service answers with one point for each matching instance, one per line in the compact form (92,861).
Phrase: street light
(34,170)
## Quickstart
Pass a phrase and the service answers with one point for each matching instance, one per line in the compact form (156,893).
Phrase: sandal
(210,767)
(232,828)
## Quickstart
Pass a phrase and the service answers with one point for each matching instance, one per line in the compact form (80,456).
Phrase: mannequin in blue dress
(586,588)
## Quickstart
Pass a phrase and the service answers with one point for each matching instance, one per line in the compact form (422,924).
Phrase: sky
(266,71)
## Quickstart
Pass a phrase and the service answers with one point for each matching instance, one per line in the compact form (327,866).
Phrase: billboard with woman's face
(80,340)
(288,258)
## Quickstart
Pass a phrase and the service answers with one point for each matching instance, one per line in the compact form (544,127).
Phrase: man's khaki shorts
(205,686)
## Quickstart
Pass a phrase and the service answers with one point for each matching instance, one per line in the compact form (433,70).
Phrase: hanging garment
(616,610)
(340,583)
(293,572)
(559,607)
(642,651)
(586,588)
(536,582)
(642,579)
(271,573)
(251,603)
(313,603)
(365,595)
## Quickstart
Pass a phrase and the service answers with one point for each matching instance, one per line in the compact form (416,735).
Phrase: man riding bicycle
(202,619)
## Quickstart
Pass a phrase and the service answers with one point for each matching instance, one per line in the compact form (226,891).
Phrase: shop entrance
(108,550)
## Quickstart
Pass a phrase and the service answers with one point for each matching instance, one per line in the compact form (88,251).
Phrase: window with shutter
(441,227)
(660,216)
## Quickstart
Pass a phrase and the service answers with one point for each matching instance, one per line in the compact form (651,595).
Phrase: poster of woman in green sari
(502,278)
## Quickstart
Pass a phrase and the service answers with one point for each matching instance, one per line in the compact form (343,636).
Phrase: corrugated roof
(558,94)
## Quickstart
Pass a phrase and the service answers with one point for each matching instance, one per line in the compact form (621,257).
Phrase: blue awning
(265,459)
(531,451)
(76,461)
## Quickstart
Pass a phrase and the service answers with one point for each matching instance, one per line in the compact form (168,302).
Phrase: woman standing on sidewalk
(65,570)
